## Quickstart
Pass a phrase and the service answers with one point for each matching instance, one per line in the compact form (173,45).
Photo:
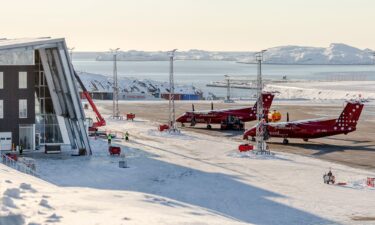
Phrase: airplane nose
(250,132)
(246,135)
(181,119)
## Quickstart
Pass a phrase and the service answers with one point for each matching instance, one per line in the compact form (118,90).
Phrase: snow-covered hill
(102,83)
(335,53)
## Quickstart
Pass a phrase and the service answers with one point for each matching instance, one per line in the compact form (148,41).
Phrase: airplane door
(5,140)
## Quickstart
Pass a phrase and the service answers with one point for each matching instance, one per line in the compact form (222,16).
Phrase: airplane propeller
(287,117)
(212,106)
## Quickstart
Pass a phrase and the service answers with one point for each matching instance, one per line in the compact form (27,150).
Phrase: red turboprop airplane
(313,128)
(227,118)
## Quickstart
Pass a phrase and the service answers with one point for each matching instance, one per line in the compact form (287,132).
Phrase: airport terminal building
(39,100)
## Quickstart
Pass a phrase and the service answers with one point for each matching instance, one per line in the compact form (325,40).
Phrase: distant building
(39,100)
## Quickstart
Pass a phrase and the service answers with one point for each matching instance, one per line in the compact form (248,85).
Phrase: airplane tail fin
(350,115)
(267,101)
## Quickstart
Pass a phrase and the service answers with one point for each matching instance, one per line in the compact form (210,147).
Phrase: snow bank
(80,205)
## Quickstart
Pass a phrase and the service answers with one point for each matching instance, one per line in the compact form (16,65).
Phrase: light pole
(172,112)
(227,78)
(261,147)
(115,109)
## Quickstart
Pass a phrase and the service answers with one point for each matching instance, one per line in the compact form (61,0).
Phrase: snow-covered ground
(188,178)
(28,200)
(319,90)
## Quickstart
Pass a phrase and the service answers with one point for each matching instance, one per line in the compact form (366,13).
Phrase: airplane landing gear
(285,141)
(253,139)
(192,123)
(209,126)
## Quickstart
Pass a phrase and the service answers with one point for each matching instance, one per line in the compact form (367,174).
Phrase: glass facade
(15,57)
(26,138)
(47,129)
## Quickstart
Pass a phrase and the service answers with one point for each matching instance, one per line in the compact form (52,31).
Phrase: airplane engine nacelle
(274,116)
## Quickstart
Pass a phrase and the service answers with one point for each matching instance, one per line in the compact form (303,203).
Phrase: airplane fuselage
(216,117)
(308,130)
(226,115)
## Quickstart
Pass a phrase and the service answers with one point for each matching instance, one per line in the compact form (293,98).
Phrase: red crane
(100,120)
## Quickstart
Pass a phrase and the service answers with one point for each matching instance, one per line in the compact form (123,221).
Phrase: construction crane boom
(100,120)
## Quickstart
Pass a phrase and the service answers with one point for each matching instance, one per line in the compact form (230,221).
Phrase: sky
(225,25)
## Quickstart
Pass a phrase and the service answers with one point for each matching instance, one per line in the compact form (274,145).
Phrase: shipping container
(190,97)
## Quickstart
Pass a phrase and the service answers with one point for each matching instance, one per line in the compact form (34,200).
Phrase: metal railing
(20,166)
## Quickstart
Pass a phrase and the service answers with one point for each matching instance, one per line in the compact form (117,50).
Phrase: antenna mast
(172,111)
(261,147)
(115,109)
(227,78)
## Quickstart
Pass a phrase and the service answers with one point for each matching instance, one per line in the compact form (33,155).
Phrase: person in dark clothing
(330,173)
(109,138)
(329,178)
(127,136)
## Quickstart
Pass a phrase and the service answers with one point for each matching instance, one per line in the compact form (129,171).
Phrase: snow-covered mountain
(334,54)
(102,83)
